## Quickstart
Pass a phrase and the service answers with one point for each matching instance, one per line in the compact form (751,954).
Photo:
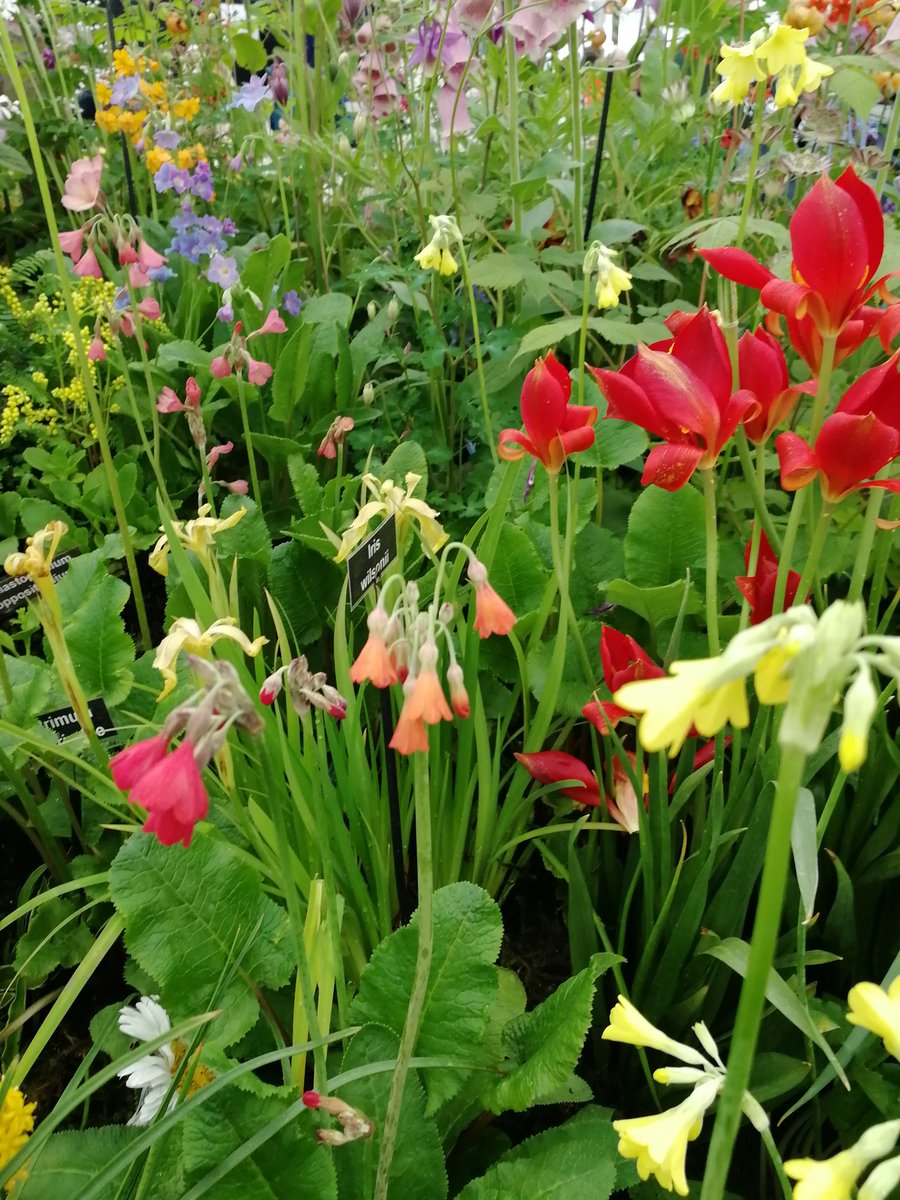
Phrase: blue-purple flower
(124,89)
(168,139)
(429,50)
(291,303)
(251,94)
(222,270)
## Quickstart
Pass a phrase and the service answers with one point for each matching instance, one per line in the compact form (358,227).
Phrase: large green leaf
(303,587)
(575,1161)
(655,605)
(666,536)
(289,380)
(543,1046)
(102,652)
(461,987)
(69,1162)
(417,1168)
(190,913)
(518,574)
(249,538)
(289,1165)
(56,937)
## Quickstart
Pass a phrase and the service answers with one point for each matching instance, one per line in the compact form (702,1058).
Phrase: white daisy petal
(146,1020)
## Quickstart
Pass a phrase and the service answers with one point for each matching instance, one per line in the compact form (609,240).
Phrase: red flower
(759,588)
(623,661)
(129,766)
(681,391)
(764,372)
(173,794)
(554,766)
(849,449)
(554,429)
(837,240)
(876,391)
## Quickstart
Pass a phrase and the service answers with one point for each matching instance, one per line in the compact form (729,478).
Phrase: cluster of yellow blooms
(16,1123)
(129,117)
(780,54)
(20,411)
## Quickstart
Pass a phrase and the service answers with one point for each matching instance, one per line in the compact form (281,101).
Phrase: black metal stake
(601,141)
(126,161)
(404,904)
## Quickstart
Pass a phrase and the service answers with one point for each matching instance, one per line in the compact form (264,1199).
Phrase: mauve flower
(537,28)
(222,270)
(278,82)
(83,184)
(251,94)
(71,242)
(225,313)
(168,139)
(124,89)
(239,487)
(89,264)
(472,14)
(258,372)
(291,303)
(49,58)
(216,453)
(220,366)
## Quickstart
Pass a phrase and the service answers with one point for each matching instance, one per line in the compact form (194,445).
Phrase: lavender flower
(251,94)
(168,139)
(161,274)
(291,303)
(49,58)
(171,178)
(222,270)
(202,184)
(428,48)
(225,313)
(124,89)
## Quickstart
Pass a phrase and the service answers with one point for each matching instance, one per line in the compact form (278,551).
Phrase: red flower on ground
(679,390)
(554,428)
(759,588)
(623,660)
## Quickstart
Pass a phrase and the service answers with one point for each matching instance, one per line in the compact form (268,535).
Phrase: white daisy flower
(152,1074)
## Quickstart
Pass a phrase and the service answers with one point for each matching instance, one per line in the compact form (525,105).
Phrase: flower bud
(359,125)
(271,687)
(368,394)
(394,310)
(446,613)
(372,310)
(860,704)
(343,146)
(459,697)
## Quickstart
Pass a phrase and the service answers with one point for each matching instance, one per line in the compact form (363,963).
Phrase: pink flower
(192,392)
(127,254)
(83,184)
(137,276)
(129,766)
(257,372)
(96,350)
(168,402)
(150,309)
(216,453)
(220,366)
(239,487)
(89,264)
(272,324)
(173,794)
(71,242)
(337,431)
(149,258)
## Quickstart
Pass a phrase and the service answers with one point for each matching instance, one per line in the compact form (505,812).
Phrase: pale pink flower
(216,453)
(83,184)
(71,242)
(96,350)
(149,258)
(89,264)
(150,309)
(192,392)
(258,372)
(239,487)
(168,402)
(272,324)
(220,366)
(337,431)
(472,14)
(537,28)
(457,122)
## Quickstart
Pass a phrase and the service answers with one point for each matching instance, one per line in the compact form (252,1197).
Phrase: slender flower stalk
(712,559)
(476,335)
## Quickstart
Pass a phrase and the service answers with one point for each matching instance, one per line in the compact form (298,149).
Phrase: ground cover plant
(448,637)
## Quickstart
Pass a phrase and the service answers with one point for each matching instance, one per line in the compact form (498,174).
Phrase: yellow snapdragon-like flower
(390,498)
(877,1010)
(612,281)
(186,634)
(16,1125)
(628,1025)
(834,1178)
(698,693)
(198,535)
(437,256)
(659,1142)
(739,68)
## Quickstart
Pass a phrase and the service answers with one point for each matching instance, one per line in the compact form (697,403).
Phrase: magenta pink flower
(89,264)
(174,796)
(220,366)
(216,453)
(258,372)
(192,392)
(272,324)
(129,766)
(83,184)
(127,254)
(71,242)
(96,350)
(168,402)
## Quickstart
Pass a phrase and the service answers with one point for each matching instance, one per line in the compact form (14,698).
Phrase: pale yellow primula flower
(628,1025)
(698,692)
(659,1142)
(186,634)
(739,68)
(784,47)
(835,1178)
(40,550)
(198,535)
(877,1010)
(437,256)
(612,280)
(391,498)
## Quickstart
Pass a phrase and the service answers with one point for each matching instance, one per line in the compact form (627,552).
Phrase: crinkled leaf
(517,573)
(55,938)
(102,652)
(69,1161)
(303,587)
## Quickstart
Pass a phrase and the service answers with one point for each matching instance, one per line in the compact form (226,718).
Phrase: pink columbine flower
(129,766)
(83,184)
(216,453)
(96,350)
(174,796)
(89,264)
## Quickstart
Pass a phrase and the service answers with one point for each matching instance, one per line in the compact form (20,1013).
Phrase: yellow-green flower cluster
(612,281)
(20,412)
(782,56)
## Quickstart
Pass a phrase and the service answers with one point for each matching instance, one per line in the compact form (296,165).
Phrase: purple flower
(222,270)
(171,178)
(236,164)
(121,300)
(251,94)
(278,82)
(291,303)
(427,42)
(49,58)
(161,274)
(124,89)
(168,139)
(202,184)
(226,314)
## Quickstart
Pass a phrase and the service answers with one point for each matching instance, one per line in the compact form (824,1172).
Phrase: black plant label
(18,591)
(371,559)
(63,722)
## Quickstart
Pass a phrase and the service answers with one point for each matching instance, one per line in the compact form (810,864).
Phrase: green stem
(582,335)
(866,542)
(425,867)
(479,362)
(879,570)
(712,559)
(756,481)
(248,439)
(823,388)
(812,557)
(754,159)
(787,551)
(890,142)
(112,479)
(577,136)
(512,116)
(756,536)
(762,951)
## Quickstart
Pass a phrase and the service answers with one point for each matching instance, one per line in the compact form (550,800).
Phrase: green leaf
(189,914)
(597,558)
(417,1169)
(289,1165)
(102,652)
(307,488)
(289,380)
(13,162)
(498,271)
(543,1046)
(183,353)
(615,231)
(652,272)
(655,605)
(249,538)
(263,268)
(55,938)
(304,588)
(461,988)
(856,88)
(805,851)
(405,458)
(69,1162)
(666,536)
(617,442)
(617,332)
(249,52)
(575,1161)
(334,308)
(518,574)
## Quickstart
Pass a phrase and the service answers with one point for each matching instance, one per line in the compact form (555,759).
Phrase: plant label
(63,722)
(368,562)
(14,593)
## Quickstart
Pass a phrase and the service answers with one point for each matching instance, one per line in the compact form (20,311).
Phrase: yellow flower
(611,279)
(16,1123)
(628,1025)
(783,48)
(436,256)
(834,1178)
(156,156)
(739,67)
(40,550)
(860,706)
(701,692)
(429,258)
(186,634)
(104,93)
(186,158)
(197,535)
(132,123)
(108,118)
(877,1010)
(124,63)
(187,109)
(659,1142)
(393,499)
(448,265)
(155,92)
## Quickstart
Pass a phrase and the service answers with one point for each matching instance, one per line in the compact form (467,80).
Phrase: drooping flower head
(554,428)
(187,634)
(83,184)
(389,498)
(764,372)
(612,281)
(492,613)
(437,255)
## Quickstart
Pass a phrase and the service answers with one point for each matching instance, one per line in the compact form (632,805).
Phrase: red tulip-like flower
(554,428)
(850,449)
(764,372)
(680,391)
(837,242)
(623,661)
(554,766)
(876,391)
(759,588)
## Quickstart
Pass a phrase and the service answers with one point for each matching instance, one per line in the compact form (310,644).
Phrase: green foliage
(69,1162)
(666,537)
(102,652)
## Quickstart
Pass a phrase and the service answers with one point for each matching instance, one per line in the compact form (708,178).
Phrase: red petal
(700,345)
(789,299)
(509,436)
(889,327)
(876,391)
(830,243)
(850,448)
(738,265)
(624,659)
(671,466)
(680,399)
(544,399)
(554,766)
(604,715)
(798,462)
(568,443)
(871,216)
